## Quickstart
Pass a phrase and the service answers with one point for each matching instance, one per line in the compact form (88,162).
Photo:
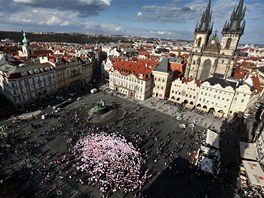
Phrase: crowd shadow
(15,185)
(181,179)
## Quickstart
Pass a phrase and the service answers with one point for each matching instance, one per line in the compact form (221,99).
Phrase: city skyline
(175,19)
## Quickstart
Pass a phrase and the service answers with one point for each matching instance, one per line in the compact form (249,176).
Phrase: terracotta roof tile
(240,73)
(116,59)
(177,67)
(186,80)
(42,52)
(134,67)
(256,82)
(144,53)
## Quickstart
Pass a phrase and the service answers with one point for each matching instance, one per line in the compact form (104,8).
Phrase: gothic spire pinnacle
(205,21)
(237,17)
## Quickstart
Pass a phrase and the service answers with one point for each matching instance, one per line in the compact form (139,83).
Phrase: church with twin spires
(211,57)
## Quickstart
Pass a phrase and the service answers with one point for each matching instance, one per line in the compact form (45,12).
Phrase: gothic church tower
(209,57)
(232,31)
(202,33)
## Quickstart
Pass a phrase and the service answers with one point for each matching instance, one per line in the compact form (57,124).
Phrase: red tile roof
(177,67)
(144,53)
(186,80)
(198,82)
(34,45)
(117,59)
(134,67)
(42,52)
(256,82)
(241,73)
(150,63)
(156,58)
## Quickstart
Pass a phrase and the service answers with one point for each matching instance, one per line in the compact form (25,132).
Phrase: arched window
(206,69)
(199,42)
(228,43)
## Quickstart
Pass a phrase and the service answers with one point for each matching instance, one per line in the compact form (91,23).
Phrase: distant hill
(60,37)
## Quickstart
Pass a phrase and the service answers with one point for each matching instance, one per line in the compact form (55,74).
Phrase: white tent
(254,172)
(207,165)
(248,151)
(212,138)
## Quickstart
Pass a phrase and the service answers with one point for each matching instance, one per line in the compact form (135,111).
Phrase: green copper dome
(25,41)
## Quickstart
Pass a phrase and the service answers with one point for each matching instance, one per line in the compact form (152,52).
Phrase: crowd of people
(110,162)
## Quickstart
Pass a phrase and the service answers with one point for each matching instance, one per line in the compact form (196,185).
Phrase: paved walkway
(163,106)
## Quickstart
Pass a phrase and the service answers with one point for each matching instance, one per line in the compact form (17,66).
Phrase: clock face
(213,42)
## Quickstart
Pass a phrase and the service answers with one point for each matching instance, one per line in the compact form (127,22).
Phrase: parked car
(79,98)
(59,98)
(182,126)
(93,90)
(179,118)
(192,125)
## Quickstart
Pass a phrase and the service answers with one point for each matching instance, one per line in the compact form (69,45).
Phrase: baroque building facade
(26,83)
(132,78)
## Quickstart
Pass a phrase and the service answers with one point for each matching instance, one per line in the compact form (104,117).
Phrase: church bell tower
(202,33)
(233,30)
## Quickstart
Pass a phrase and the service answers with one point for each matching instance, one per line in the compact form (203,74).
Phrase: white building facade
(184,91)
(224,98)
(132,79)
(23,85)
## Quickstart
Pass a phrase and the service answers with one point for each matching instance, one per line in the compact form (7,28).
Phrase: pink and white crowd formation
(110,162)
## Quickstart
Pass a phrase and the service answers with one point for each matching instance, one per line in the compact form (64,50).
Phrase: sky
(175,19)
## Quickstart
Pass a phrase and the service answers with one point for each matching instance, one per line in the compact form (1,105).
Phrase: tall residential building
(163,77)
(24,84)
(71,74)
(185,91)
(211,57)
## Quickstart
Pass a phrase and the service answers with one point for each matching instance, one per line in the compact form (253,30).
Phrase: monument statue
(100,106)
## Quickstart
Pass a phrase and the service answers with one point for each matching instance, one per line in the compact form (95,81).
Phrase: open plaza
(38,151)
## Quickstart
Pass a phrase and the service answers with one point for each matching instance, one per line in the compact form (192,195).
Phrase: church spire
(205,22)
(25,41)
(237,22)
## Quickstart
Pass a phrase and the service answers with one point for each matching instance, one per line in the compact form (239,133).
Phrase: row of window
(128,79)
(235,99)
(198,62)
(186,95)
(129,86)
(188,88)
(159,87)
(163,80)
(216,91)
(207,101)
(227,46)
